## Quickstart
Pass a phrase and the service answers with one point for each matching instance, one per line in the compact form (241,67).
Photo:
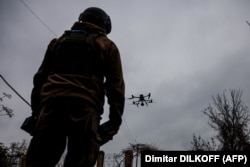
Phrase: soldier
(78,70)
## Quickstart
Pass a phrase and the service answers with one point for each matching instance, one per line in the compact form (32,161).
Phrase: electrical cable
(45,25)
(38,18)
(18,94)
(133,137)
(15,91)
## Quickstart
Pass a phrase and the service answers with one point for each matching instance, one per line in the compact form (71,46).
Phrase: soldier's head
(96,16)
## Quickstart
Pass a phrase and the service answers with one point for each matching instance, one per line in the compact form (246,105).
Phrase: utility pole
(137,148)
(100,159)
(23,160)
(128,158)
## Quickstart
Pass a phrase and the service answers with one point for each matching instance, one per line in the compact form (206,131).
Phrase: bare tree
(229,117)
(16,152)
(3,155)
(199,144)
(3,108)
(13,155)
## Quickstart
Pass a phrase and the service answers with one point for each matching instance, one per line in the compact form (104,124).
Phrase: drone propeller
(132,97)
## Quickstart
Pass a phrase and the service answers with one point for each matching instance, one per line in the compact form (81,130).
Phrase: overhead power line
(38,18)
(133,137)
(247,22)
(15,91)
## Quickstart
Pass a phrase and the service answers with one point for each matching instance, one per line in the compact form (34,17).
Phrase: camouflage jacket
(106,80)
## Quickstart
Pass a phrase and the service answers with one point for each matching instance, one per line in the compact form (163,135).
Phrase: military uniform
(78,70)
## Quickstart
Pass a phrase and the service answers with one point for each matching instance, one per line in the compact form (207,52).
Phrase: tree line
(227,115)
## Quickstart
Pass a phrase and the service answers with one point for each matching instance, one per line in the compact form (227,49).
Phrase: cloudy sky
(182,51)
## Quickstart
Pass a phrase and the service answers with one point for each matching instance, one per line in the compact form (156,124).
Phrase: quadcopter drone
(142,100)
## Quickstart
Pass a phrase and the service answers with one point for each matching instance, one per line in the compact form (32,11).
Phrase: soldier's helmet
(96,16)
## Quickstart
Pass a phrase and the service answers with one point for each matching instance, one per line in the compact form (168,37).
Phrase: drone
(142,100)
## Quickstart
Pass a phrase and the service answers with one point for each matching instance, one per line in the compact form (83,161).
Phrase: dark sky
(183,52)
